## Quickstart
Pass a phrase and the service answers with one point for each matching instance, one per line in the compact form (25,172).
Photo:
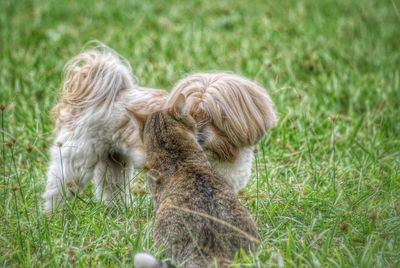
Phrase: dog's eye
(201,138)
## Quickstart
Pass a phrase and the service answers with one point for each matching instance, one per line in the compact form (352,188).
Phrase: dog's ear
(139,118)
(177,109)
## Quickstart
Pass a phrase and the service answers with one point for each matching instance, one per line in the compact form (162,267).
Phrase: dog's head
(231,112)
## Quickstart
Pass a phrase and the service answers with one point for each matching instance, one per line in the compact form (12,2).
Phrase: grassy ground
(326,189)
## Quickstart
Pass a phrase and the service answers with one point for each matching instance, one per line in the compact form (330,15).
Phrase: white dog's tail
(93,78)
(144,260)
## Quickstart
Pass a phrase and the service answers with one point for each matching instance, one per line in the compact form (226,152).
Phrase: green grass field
(325,190)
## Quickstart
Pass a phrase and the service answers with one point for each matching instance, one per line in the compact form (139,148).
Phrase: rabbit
(198,216)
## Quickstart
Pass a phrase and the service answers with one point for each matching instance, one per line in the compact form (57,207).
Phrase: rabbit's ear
(177,109)
(180,114)
(139,118)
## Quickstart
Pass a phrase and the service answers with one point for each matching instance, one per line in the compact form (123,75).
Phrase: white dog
(96,138)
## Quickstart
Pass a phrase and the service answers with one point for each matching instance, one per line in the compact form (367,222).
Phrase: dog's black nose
(201,138)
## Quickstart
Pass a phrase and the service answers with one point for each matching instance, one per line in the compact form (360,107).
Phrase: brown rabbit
(198,217)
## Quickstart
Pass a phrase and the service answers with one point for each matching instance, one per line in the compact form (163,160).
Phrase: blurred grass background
(326,181)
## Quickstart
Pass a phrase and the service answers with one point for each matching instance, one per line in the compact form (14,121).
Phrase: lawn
(326,188)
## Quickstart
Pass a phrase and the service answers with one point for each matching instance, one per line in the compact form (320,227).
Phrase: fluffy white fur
(144,260)
(238,171)
(95,138)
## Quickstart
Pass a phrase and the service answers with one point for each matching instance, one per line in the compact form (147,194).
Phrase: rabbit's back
(202,219)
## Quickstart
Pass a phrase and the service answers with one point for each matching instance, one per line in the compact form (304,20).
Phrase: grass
(326,189)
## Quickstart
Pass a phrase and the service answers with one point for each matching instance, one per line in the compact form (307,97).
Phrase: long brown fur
(236,111)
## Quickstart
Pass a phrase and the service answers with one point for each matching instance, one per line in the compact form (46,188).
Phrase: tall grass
(326,180)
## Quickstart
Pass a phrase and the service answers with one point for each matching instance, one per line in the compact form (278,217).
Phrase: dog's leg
(66,176)
(112,179)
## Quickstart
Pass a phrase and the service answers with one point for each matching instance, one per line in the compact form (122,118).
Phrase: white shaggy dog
(96,139)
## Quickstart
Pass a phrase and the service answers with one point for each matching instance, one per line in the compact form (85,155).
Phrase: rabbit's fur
(198,217)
